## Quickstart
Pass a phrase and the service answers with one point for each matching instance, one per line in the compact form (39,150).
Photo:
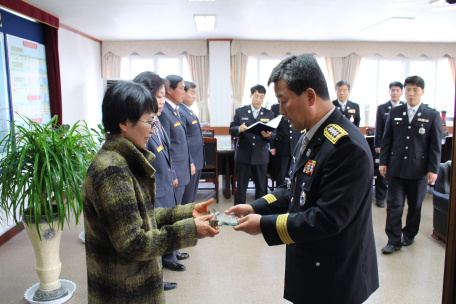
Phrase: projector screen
(28,80)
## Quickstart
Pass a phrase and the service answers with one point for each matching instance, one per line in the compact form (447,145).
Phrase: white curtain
(343,68)
(199,72)
(111,65)
(238,72)
(452,67)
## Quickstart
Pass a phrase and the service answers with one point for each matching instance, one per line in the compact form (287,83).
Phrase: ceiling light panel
(204,22)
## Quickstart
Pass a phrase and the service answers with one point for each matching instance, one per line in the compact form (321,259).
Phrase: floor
(235,267)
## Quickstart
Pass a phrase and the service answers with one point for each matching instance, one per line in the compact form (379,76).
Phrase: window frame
(181,57)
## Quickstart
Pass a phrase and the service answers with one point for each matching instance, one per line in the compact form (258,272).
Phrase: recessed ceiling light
(395,19)
(204,22)
(399,5)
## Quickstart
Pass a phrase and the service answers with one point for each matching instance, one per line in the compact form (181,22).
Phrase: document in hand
(259,126)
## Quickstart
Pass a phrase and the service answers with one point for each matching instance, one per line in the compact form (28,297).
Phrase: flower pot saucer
(82,236)
(70,286)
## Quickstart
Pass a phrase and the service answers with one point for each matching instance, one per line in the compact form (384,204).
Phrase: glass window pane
(364,90)
(250,79)
(389,71)
(168,66)
(125,68)
(266,67)
(322,63)
(141,65)
(186,71)
(445,88)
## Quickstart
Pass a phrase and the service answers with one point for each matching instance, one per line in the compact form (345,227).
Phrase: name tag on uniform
(159,148)
(264,119)
(386,113)
(352,111)
(194,122)
(398,118)
(245,118)
(177,124)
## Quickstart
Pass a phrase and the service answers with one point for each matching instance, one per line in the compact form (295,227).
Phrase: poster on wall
(28,80)
(4,99)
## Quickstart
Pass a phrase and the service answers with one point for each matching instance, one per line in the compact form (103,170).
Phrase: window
(161,64)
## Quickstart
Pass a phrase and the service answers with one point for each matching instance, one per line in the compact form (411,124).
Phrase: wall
(80,73)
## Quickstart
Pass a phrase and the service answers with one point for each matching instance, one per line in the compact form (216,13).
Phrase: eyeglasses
(151,123)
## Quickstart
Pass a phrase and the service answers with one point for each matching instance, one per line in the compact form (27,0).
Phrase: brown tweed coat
(125,234)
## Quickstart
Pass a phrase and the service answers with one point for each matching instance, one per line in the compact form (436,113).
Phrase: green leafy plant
(42,169)
(366,107)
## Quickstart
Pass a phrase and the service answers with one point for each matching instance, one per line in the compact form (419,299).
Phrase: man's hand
(377,150)
(175,183)
(273,151)
(382,170)
(242,128)
(432,177)
(200,209)
(241,209)
(265,134)
(192,169)
(202,227)
(249,224)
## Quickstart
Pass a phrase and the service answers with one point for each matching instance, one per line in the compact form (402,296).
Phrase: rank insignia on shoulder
(334,132)
(309,167)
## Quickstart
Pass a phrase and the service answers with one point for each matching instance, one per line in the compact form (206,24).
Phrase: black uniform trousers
(398,189)
(380,188)
(282,165)
(191,188)
(243,177)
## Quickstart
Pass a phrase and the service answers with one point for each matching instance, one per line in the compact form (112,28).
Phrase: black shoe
(390,248)
(406,241)
(176,266)
(182,256)
(169,286)
(380,204)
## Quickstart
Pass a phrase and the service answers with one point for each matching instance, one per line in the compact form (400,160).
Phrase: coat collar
(139,159)
(418,113)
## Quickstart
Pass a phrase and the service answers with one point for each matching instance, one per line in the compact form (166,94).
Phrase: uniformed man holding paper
(324,213)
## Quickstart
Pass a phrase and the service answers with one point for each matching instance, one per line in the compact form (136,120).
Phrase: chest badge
(288,183)
(419,114)
(389,107)
(308,152)
(302,198)
(422,130)
(309,167)
(403,113)
(261,113)
(352,119)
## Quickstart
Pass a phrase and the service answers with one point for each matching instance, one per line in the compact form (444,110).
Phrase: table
(226,166)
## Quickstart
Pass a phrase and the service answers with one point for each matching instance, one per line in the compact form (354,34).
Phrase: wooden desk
(226,166)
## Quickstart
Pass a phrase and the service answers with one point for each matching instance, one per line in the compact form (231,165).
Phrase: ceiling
(341,20)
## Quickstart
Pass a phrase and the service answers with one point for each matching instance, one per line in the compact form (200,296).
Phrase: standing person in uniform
(195,141)
(395,89)
(326,224)
(165,176)
(172,124)
(252,151)
(348,108)
(283,145)
(409,160)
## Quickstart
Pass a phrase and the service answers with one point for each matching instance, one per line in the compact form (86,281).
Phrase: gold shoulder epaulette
(334,132)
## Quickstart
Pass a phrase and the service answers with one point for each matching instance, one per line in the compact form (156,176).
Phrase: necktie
(177,111)
(157,129)
(411,114)
(255,114)
(342,107)
(305,142)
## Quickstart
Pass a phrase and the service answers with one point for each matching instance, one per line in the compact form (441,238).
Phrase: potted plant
(42,170)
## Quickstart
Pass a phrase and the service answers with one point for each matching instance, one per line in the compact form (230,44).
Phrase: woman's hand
(200,209)
(202,227)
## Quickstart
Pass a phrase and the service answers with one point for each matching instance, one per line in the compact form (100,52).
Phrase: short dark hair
(189,85)
(126,100)
(396,84)
(259,88)
(343,82)
(150,80)
(174,81)
(301,73)
(414,80)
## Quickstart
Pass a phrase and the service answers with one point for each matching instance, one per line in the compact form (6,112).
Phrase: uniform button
(291,131)
(391,152)
(405,157)
(171,184)
(408,137)
(291,137)
(254,137)
(295,179)
(187,141)
(292,200)
(169,170)
(317,264)
(406,148)
(410,127)
(253,144)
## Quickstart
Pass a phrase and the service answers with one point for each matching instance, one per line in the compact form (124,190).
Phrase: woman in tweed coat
(125,234)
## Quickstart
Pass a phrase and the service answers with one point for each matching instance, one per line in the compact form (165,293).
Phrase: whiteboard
(28,80)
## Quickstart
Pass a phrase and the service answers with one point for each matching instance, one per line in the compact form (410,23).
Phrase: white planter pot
(366,118)
(47,254)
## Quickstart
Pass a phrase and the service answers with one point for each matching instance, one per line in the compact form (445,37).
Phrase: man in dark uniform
(195,141)
(172,124)
(324,213)
(283,145)
(409,160)
(395,89)
(349,108)
(252,151)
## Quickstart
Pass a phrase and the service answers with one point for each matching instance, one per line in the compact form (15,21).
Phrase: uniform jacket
(351,111)
(286,138)
(411,150)
(164,171)
(251,149)
(179,143)
(325,218)
(194,136)
(382,114)
(124,234)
